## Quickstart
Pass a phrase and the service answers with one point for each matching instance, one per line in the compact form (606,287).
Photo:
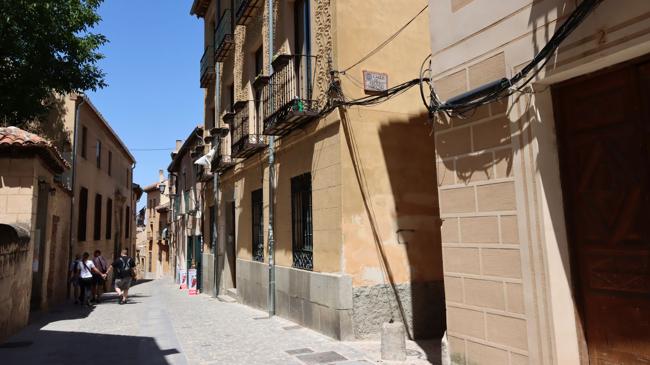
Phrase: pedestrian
(85,270)
(99,284)
(73,277)
(124,267)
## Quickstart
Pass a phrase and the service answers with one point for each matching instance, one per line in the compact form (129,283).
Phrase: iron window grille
(258,225)
(301,218)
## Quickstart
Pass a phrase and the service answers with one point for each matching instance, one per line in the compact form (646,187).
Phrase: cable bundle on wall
(469,101)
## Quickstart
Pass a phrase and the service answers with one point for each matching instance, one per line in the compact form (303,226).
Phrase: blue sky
(152,70)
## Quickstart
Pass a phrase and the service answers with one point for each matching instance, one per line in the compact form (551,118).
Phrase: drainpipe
(271,296)
(75,149)
(215,182)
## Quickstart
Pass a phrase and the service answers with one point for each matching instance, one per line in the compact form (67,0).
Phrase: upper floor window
(97,233)
(259,61)
(109,218)
(84,141)
(98,154)
(110,163)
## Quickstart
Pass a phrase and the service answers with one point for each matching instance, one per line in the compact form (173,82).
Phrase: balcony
(222,162)
(224,41)
(245,9)
(287,100)
(246,131)
(207,67)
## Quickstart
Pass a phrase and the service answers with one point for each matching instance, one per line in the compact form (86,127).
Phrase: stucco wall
(504,238)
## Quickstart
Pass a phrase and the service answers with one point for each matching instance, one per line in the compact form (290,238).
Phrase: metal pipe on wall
(271,295)
(75,139)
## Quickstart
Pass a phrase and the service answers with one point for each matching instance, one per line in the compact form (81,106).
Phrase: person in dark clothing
(124,267)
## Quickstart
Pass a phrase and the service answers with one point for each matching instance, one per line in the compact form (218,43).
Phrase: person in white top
(86,268)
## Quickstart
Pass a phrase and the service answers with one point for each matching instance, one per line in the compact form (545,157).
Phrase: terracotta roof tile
(14,137)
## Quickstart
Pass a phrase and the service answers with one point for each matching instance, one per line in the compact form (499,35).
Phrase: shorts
(123,283)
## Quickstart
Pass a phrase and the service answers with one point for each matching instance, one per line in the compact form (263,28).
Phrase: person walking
(85,270)
(99,283)
(124,267)
(73,277)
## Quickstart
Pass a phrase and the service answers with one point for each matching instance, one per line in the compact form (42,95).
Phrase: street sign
(375,81)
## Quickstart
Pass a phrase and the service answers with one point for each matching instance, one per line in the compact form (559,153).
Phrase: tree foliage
(46,47)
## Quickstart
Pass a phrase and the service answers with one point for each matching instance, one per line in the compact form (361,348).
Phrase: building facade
(353,199)
(157,228)
(185,191)
(545,239)
(34,256)
(103,213)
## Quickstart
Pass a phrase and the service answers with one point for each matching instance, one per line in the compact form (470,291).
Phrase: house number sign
(375,81)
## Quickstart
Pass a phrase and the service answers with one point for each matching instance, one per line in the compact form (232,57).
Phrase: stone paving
(164,325)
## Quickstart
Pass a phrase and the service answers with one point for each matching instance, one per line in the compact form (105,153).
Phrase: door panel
(603,128)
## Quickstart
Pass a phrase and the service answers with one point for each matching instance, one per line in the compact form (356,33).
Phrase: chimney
(161,175)
(179,144)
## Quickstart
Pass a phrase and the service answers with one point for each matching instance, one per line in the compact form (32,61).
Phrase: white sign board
(375,81)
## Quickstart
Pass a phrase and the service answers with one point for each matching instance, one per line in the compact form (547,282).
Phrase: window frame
(82,217)
(302,233)
(257,225)
(97,220)
(98,154)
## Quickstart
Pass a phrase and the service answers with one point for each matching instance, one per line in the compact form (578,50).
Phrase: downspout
(271,295)
(215,182)
(75,149)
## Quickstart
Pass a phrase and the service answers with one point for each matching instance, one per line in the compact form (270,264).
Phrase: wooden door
(603,124)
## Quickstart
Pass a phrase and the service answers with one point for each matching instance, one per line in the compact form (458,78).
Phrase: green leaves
(46,46)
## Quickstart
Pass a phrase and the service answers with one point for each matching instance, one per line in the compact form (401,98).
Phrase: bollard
(393,342)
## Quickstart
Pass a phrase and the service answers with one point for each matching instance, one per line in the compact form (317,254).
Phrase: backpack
(126,269)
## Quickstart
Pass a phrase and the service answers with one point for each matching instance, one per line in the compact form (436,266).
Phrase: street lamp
(161,187)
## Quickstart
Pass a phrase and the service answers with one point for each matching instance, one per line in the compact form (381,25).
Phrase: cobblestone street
(163,325)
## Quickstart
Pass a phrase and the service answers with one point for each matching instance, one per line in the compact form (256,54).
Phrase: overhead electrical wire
(386,42)
(499,89)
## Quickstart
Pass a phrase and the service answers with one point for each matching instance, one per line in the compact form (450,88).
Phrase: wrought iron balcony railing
(246,131)
(222,162)
(244,10)
(287,100)
(207,67)
(223,37)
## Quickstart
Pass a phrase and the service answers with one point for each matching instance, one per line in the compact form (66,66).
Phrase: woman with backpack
(85,270)
(124,267)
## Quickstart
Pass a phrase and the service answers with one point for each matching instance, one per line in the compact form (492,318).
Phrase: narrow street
(163,325)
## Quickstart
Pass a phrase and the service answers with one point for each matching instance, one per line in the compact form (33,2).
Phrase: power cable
(503,88)
(386,42)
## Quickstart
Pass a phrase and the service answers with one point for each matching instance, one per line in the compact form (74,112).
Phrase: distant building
(157,228)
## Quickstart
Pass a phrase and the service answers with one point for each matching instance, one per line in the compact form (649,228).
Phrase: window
(301,222)
(186,198)
(98,154)
(259,61)
(84,141)
(258,225)
(97,233)
(302,32)
(211,118)
(213,217)
(83,212)
(231,97)
(110,163)
(109,218)
(127,224)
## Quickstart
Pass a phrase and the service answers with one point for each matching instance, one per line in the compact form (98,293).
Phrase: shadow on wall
(15,285)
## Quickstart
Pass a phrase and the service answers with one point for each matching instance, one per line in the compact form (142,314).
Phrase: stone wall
(15,279)
(421,306)
(322,302)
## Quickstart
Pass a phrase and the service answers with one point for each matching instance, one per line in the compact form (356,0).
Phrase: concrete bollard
(393,342)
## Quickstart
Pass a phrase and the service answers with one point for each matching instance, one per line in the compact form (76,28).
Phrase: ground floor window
(301,222)
(258,225)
